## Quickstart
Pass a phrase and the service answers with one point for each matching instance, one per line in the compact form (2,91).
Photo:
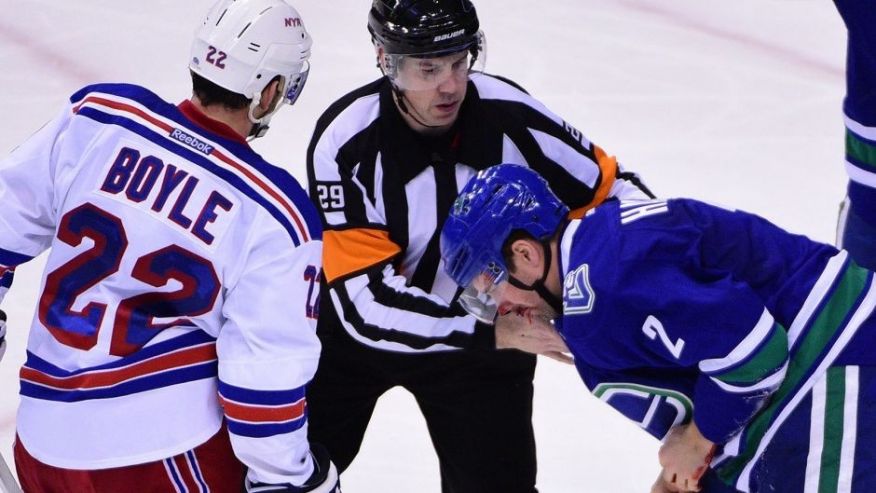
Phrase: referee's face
(433,89)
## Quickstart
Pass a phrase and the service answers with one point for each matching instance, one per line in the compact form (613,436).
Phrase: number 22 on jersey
(133,325)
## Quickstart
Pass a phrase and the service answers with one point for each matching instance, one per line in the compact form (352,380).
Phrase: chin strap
(538,286)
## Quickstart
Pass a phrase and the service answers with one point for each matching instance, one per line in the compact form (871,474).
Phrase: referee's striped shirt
(384,192)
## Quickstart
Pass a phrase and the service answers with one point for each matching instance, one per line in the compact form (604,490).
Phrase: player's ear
(527,253)
(270,93)
(380,53)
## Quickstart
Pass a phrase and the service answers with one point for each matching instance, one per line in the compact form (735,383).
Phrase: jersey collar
(190,111)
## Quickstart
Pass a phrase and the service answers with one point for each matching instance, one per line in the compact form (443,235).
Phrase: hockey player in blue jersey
(746,349)
(857,225)
(176,326)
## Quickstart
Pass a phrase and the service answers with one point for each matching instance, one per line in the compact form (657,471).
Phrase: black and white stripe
(396,180)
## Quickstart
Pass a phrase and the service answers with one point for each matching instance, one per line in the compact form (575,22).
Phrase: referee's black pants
(477,405)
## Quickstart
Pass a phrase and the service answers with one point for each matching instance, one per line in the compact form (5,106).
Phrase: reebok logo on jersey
(191,141)
(449,35)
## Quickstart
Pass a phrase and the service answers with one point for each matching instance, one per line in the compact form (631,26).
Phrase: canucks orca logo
(578,295)
(655,409)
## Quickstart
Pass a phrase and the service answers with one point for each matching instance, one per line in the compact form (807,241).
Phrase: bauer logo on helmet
(452,35)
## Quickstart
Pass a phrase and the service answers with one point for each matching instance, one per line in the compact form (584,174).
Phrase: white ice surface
(733,102)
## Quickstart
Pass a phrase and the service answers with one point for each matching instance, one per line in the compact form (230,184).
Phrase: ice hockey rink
(733,102)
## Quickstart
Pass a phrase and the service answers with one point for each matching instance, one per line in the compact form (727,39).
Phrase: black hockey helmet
(424,27)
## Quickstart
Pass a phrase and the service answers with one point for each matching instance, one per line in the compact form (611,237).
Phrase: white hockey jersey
(182,281)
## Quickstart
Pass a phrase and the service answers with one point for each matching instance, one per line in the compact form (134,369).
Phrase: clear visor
(295,84)
(425,72)
(478,298)
(481,305)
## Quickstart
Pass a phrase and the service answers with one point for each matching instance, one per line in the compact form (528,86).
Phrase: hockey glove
(2,333)
(323,480)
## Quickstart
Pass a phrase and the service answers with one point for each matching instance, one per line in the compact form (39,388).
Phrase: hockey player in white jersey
(175,330)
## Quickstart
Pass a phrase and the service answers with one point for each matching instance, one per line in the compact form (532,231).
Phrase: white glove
(323,480)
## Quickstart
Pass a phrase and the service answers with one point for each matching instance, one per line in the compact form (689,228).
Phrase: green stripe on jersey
(833,430)
(761,363)
(808,353)
(861,150)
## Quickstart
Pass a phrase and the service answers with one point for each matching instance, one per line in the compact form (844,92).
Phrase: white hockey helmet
(243,44)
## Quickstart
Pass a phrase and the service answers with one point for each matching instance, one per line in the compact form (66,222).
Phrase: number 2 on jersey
(132,327)
(654,328)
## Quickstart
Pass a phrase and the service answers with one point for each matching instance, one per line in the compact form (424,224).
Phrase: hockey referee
(385,163)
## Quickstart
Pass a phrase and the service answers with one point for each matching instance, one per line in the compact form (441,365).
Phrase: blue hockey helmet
(497,201)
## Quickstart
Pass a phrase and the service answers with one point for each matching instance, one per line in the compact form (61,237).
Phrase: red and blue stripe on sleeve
(263,413)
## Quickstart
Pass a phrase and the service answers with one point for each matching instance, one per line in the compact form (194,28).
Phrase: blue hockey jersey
(677,310)
(859,231)
(860,103)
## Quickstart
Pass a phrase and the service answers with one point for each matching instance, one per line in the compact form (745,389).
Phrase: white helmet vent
(244,30)
(221,16)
